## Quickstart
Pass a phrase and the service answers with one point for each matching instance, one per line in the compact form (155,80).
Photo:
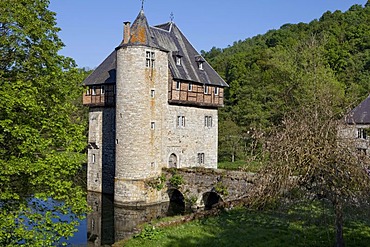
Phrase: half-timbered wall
(181,92)
(100,95)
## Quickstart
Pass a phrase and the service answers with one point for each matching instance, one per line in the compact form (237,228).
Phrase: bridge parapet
(202,187)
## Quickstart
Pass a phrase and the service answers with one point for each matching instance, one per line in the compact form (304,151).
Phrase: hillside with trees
(271,74)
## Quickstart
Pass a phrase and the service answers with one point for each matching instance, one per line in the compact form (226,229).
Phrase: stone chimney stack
(126,32)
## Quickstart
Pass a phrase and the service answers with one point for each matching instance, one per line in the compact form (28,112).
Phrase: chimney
(126,32)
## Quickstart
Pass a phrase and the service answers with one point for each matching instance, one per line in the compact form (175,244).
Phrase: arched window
(172,161)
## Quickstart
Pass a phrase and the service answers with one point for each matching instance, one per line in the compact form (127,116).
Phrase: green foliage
(157,183)
(270,74)
(149,233)
(42,127)
(221,188)
(176,180)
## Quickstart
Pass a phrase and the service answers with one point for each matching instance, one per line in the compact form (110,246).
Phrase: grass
(240,165)
(300,226)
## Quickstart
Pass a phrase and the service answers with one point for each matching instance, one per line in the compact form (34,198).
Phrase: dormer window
(178,57)
(200,64)
(178,61)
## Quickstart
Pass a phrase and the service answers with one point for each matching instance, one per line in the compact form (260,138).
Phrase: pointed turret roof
(167,37)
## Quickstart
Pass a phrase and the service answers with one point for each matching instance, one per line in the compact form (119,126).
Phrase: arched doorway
(210,199)
(177,202)
(172,161)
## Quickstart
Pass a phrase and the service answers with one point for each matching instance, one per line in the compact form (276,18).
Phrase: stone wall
(198,183)
(101,158)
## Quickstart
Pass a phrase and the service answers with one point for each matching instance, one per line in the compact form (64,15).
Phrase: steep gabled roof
(360,114)
(169,38)
(105,73)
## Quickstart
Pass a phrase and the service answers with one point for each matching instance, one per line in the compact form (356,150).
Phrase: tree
(307,151)
(41,138)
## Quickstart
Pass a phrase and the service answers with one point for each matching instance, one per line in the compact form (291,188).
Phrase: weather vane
(142,4)
(172,16)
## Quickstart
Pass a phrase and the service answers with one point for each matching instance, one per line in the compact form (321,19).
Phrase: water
(108,223)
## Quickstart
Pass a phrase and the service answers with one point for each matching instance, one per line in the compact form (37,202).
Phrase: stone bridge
(200,187)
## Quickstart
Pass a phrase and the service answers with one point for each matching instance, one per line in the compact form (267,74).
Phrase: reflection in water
(107,223)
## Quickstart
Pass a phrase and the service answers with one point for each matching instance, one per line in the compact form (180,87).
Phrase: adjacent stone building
(153,103)
(358,126)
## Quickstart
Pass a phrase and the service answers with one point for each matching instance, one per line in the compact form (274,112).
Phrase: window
(178,85)
(88,91)
(150,56)
(102,90)
(208,121)
(205,89)
(152,125)
(216,90)
(93,159)
(180,121)
(361,133)
(200,158)
(178,61)
(190,87)
(93,91)
(152,93)
(200,64)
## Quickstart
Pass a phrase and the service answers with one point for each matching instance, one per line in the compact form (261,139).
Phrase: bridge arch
(177,202)
(210,198)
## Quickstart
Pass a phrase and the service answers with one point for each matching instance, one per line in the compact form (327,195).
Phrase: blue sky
(91,29)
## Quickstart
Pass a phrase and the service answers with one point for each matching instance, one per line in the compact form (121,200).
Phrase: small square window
(178,61)
(178,85)
(205,89)
(200,158)
(190,87)
(180,121)
(208,121)
(200,64)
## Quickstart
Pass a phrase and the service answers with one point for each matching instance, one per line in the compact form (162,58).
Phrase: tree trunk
(339,240)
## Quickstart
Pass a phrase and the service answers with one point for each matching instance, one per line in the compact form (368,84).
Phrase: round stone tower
(141,96)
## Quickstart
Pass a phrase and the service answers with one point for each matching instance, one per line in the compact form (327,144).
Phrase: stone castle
(153,104)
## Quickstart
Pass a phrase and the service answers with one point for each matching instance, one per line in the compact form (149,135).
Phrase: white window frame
(201,158)
(149,59)
(208,121)
(217,90)
(88,91)
(206,89)
(200,65)
(93,90)
(180,121)
(178,60)
(152,125)
(152,93)
(361,133)
(190,87)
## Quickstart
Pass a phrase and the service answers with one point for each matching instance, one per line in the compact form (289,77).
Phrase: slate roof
(166,37)
(360,114)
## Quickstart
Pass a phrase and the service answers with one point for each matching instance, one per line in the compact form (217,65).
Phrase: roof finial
(142,4)
(172,17)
